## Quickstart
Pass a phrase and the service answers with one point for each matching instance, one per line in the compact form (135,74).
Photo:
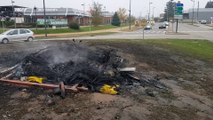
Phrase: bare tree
(96,13)
(122,13)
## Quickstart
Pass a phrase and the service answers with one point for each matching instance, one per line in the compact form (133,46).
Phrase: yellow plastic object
(107,89)
(35,79)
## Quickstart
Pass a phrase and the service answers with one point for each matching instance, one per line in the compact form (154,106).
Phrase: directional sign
(179,5)
(179,11)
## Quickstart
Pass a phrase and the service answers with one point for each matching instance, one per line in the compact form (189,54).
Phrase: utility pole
(149,11)
(198,7)
(13,10)
(193,11)
(130,14)
(167,14)
(45,18)
(153,13)
(35,9)
(83,5)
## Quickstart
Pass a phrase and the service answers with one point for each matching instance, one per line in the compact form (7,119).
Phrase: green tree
(169,10)
(116,20)
(96,13)
(209,4)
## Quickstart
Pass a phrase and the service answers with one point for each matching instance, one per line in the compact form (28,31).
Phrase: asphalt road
(186,31)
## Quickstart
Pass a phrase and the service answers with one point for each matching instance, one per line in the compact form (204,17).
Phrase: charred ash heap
(79,64)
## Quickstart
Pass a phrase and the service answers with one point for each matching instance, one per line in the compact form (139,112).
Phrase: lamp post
(130,14)
(13,10)
(193,11)
(198,7)
(45,18)
(149,10)
(35,9)
(83,5)
(153,13)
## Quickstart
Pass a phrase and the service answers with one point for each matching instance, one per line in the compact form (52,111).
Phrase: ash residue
(78,64)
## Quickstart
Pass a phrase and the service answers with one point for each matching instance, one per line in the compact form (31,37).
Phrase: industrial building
(201,14)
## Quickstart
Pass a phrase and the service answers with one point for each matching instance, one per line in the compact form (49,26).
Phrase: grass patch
(200,49)
(68,30)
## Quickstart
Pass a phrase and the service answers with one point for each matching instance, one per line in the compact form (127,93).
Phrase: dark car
(162,26)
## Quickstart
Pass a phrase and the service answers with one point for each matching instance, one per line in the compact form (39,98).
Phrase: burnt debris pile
(78,64)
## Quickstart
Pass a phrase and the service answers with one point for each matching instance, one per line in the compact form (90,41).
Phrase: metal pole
(130,14)
(153,14)
(193,12)
(177,26)
(83,12)
(167,14)
(45,19)
(143,33)
(198,7)
(149,12)
(13,9)
(35,8)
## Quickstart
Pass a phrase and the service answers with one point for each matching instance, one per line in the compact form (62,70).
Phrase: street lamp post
(13,10)
(153,13)
(35,9)
(45,18)
(198,7)
(193,11)
(83,12)
(130,14)
(149,10)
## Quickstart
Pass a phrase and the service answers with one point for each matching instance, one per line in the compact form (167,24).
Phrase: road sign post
(143,24)
(178,13)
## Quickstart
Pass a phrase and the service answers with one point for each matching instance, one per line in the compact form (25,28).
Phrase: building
(62,16)
(107,17)
(56,16)
(12,12)
(201,14)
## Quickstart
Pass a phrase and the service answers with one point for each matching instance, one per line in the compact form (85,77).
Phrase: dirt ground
(189,95)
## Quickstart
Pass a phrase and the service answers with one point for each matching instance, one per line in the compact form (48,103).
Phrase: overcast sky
(139,7)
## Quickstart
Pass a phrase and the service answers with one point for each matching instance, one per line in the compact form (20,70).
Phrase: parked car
(148,27)
(16,35)
(203,21)
(162,26)
(166,23)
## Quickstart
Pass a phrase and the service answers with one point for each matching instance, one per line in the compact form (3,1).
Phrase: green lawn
(67,30)
(200,49)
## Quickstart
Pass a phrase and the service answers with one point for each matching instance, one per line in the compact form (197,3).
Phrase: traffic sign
(179,11)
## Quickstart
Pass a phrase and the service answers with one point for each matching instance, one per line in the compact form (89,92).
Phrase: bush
(74,26)
(9,23)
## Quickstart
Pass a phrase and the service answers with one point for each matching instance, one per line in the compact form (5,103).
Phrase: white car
(166,23)
(16,35)
(203,21)
(148,27)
